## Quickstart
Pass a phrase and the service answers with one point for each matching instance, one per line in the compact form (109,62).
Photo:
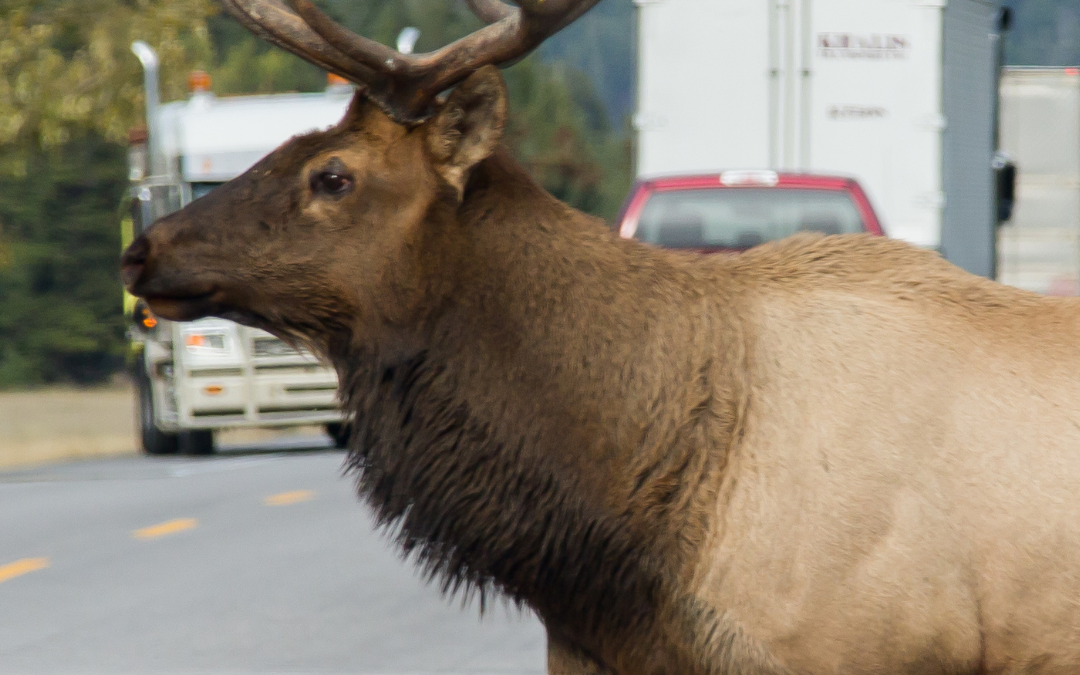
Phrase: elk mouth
(185,306)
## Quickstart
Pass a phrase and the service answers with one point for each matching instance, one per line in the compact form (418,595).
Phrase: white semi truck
(1039,249)
(212,374)
(899,94)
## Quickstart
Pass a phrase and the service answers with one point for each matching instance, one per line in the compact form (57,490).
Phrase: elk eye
(332,183)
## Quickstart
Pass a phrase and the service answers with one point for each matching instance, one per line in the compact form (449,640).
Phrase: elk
(826,455)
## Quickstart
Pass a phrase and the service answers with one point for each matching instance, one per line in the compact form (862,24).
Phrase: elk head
(330,230)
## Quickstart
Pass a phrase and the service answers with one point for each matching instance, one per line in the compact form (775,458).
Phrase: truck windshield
(738,218)
(202,189)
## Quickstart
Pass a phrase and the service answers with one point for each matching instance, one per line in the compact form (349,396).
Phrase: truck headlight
(206,342)
(211,345)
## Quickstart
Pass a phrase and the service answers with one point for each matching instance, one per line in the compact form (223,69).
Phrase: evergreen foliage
(60,317)
(66,67)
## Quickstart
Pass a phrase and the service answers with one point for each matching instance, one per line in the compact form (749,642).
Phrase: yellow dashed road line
(166,528)
(27,565)
(21,567)
(285,498)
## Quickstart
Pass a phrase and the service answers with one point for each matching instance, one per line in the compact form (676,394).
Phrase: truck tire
(197,442)
(339,433)
(154,441)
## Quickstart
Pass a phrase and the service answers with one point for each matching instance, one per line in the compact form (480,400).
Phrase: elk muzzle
(171,291)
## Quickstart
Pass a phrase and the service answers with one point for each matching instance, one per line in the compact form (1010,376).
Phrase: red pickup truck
(735,210)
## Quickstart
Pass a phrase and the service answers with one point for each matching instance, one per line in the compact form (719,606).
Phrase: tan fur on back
(909,467)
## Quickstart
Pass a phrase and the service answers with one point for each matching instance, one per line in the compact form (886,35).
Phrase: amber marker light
(144,319)
(198,81)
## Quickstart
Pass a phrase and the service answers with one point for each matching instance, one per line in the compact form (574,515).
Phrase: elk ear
(468,126)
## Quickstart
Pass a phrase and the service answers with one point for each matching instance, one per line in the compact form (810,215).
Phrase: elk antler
(490,11)
(405,85)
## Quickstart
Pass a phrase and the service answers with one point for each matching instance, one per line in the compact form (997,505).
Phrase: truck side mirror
(1005,184)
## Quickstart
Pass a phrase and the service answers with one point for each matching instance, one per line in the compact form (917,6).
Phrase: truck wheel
(154,440)
(339,433)
(197,442)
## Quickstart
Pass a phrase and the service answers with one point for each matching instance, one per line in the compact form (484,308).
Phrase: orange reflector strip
(213,389)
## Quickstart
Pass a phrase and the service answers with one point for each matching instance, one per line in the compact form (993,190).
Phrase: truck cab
(203,376)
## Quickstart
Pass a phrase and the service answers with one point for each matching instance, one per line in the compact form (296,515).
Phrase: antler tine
(272,22)
(490,11)
(363,50)
(567,11)
(416,79)
(405,85)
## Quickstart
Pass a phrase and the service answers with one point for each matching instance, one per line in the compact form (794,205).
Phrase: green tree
(69,91)
(60,317)
(560,132)
(65,67)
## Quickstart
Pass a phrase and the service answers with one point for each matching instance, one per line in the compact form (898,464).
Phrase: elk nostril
(133,260)
(137,252)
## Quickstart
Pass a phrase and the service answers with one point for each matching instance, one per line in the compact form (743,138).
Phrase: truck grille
(271,346)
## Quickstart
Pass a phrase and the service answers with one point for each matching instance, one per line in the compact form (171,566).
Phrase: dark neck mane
(518,449)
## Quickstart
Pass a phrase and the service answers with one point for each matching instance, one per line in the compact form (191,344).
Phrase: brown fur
(829,454)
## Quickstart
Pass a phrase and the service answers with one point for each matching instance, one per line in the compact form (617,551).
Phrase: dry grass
(55,424)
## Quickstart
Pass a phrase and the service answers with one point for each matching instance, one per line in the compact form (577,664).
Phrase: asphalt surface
(246,562)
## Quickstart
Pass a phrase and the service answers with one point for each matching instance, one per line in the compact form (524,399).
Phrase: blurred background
(70,90)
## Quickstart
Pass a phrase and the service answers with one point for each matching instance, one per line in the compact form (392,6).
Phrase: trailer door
(702,85)
(875,107)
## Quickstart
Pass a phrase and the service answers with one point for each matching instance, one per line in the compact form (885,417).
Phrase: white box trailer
(900,94)
(1039,249)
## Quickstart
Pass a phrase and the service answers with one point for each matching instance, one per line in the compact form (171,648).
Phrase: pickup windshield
(738,218)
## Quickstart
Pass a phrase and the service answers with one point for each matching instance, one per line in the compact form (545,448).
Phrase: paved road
(241,563)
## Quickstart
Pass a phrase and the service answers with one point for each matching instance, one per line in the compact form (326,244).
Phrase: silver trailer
(1039,249)
(199,377)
